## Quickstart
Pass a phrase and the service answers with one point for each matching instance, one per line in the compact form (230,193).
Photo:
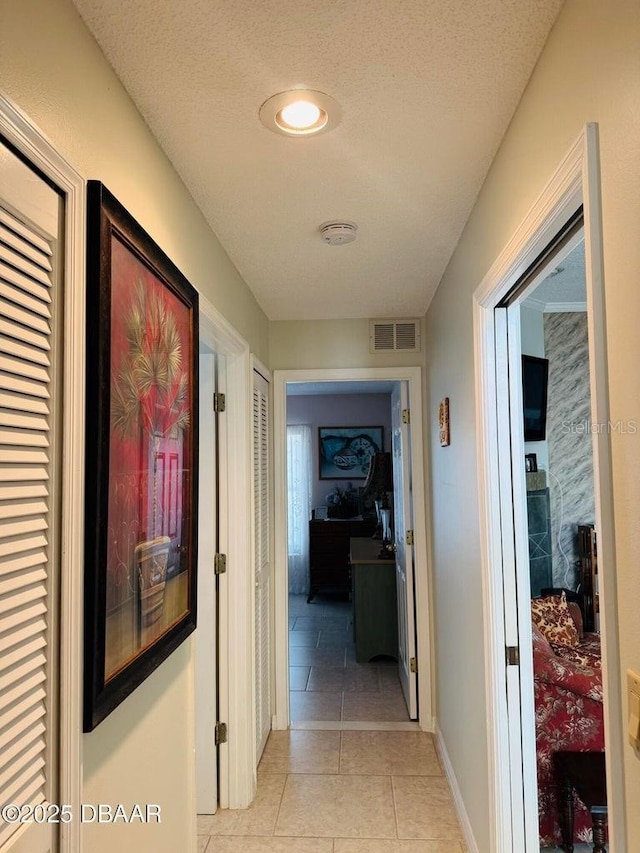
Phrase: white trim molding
(458,800)
(36,148)
(413,376)
(237,757)
(576,182)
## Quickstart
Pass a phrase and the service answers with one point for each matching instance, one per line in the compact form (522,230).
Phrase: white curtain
(299,505)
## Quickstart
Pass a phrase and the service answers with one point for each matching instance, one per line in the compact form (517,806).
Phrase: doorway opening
(566,216)
(345,651)
(547,316)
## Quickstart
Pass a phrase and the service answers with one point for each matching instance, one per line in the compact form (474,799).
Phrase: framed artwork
(345,451)
(141,452)
(443,422)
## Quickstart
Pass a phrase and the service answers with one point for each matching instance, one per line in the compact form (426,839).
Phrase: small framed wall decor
(443,422)
(141,456)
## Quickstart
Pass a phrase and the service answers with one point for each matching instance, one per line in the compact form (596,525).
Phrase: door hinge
(513,655)
(220,563)
(413,664)
(409,537)
(221,733)
(406,416)
(219,402)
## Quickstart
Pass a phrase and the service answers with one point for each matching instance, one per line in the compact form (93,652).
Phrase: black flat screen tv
(535,377)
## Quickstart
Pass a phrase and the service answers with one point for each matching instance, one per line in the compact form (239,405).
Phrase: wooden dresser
(329,553)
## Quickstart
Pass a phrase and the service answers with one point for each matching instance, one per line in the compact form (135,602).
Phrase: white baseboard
(463,817)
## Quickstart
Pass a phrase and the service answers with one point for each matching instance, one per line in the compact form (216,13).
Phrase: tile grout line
(275,823)
(395,810)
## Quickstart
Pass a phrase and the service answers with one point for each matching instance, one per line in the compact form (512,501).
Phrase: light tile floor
(326,683)
(342,792)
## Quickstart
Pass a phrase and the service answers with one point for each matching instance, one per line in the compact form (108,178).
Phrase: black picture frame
(535,377)
(141,456)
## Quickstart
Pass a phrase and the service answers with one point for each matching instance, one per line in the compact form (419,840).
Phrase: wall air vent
(394,336)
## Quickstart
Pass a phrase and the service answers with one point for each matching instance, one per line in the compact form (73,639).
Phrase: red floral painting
(141,483)
(150,420)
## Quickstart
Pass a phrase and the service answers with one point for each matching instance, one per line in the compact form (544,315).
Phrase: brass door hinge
(220,563)
(513,655)
(413,664)
(221,733)
(219,403)
(409,537)
(406,416)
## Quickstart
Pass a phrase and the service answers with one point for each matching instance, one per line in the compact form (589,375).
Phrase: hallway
(326,683)
(342,792)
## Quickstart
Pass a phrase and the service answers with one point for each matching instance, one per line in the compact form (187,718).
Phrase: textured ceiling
(567,283)
(426,87)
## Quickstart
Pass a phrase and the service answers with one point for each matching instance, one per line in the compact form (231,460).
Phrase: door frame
(413,376)
(576,182)
(236,758)
(18,129)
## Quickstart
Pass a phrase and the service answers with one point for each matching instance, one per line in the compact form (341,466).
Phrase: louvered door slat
(11,294)
(15,242)
(24,420)
(10,258)
(23,438)
(23,385)
(20,332)
(27,751)
(21,313)
(22,634)
(14,400)
(15,278)
(20,508)
(17,702)
(23,368)
(261,558)
(20,562)
(25,782)
(29,744)
(20,544)
(11,341)
(30,238)
(26,304)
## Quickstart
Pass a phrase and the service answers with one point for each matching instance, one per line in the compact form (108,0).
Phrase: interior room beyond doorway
(330,682)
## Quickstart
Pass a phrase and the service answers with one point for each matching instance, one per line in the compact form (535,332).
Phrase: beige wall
(53,70)
(589,71)
(299,344)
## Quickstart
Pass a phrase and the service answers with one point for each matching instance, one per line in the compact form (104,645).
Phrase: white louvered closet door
(29,222)
(262,565)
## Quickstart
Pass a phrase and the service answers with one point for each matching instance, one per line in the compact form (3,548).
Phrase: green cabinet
(375,614)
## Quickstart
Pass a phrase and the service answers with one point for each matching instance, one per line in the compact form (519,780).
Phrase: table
(583,772)
(375,615)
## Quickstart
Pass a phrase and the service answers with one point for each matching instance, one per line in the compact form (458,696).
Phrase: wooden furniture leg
(566,814)
(599,818)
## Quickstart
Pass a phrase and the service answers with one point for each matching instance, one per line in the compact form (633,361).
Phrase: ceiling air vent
(394,335)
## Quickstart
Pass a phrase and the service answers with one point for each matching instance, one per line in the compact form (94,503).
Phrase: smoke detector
(339,232)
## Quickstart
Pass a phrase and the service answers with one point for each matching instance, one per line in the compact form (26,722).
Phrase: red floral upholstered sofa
(568,703)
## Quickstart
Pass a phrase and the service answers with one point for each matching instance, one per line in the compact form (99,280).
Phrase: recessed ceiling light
(300,112)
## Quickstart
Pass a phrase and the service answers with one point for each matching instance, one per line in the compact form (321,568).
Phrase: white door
(30,262)
(262,566)
(403,514)
(206,633)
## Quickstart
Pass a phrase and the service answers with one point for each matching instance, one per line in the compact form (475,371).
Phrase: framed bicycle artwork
(344,452)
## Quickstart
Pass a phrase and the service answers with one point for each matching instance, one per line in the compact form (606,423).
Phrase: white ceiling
(427,89)
(566,284)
